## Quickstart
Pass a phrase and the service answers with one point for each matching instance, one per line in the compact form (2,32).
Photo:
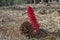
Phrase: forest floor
(12,17)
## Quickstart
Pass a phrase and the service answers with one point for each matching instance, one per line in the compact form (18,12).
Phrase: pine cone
(26,29)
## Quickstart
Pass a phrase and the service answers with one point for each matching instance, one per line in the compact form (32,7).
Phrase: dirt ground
(12,17)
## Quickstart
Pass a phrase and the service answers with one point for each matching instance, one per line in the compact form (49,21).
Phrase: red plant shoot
(32,19)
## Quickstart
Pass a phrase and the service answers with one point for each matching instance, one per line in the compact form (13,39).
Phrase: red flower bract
(32,19)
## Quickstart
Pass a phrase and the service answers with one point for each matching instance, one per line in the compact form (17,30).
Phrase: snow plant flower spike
(32,19)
